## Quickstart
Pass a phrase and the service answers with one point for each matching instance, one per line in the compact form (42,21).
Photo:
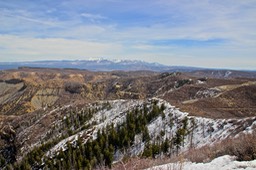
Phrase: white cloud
(37,21)
(14,48)
(70,33)
(23,48)
(93,17)
(23,15)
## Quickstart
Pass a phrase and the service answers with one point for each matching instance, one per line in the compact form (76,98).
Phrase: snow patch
(227,73)
(225,162)
(201,131)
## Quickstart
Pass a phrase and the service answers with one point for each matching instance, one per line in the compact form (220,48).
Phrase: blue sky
(207,33)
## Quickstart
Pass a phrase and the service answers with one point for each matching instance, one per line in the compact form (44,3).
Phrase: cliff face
(24,91)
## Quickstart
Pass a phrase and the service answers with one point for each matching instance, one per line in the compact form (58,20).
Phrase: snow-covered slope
(198,131)
(102,118)
(221,163)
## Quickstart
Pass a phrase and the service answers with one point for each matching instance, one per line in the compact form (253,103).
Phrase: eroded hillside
(51,108)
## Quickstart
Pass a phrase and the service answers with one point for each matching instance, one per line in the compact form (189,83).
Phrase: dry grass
(144,163)
(243,147)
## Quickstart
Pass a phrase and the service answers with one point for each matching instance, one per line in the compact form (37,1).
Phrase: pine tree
(155,150)
(178,139)
(165,146)
(108,157)
(25,165)
(162,108)
(145,135)
(147,151)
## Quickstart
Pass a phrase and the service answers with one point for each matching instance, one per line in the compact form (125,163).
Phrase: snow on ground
(200,131)
(204,131)
(211,92)
(250,128)
(221,163)
(227,73)
(115,115)
(103,118)
(29,129)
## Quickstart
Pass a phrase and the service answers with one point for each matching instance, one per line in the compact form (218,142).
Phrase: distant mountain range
(98,65)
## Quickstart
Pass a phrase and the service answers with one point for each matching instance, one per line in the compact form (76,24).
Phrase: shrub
(73,87)
(13,81)
(243,147)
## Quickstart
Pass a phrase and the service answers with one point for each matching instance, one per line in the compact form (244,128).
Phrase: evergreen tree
(145,135)
(147,151)
(178,139)
(165,146)
(155,150)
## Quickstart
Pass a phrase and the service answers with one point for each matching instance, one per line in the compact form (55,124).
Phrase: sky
(204,33)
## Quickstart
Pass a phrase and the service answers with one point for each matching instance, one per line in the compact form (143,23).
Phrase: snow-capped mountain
(99,64)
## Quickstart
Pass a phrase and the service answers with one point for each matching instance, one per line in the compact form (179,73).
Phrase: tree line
(110,139)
